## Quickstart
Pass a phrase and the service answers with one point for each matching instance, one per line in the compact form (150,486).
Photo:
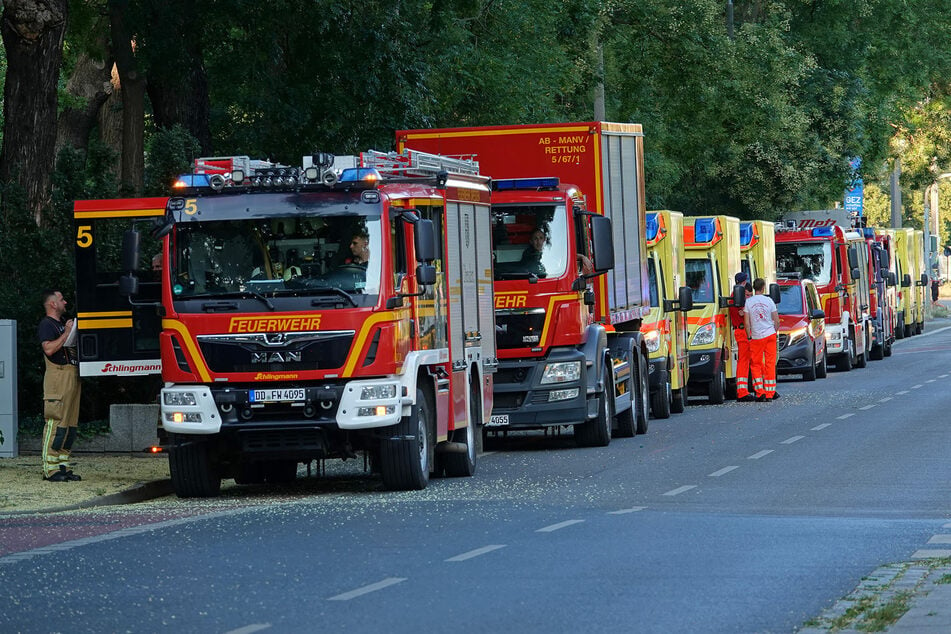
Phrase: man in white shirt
(761,319)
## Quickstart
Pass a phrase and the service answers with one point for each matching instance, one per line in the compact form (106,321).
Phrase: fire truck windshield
(292,256)
(813,260)
(530,241)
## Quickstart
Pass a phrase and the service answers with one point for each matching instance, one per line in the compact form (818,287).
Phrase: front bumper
(521,401)
(704,365)
(795,358)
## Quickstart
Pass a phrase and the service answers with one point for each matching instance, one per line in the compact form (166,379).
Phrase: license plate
(498,420)
(276,395)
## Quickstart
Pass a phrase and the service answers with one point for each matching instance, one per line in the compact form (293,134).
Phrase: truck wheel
(404,458)
(280,471)
(844,362)
(678,401)
(716,390)
(597,431)
(660,400)
(643,399)
(861,360)
(919,327)
(459,465)
(193,470)
(887,349)
(900,327)
(907,330)
(823,370)
(877,353)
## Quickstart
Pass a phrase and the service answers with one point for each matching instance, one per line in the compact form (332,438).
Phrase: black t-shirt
(48,330)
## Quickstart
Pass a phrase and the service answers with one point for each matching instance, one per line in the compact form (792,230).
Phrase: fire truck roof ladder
(418,164)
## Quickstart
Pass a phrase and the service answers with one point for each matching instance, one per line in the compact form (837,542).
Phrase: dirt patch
(22,487)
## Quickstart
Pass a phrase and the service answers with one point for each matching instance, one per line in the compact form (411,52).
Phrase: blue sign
(855,195)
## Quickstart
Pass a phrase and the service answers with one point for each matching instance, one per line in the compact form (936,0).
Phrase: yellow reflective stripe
(360,340)
(123,213)
(189,344)
(90,324)
(114,313)
(550,314)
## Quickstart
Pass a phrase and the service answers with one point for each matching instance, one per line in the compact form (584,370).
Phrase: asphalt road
(744,517)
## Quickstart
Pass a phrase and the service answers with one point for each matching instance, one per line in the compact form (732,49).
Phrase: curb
(137,493)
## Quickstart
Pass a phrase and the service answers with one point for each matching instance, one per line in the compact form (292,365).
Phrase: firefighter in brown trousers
(61,390)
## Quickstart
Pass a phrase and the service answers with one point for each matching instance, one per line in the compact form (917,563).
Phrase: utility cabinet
(8,388)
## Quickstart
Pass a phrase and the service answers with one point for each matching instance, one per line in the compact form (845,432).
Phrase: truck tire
(716,389)
(597,431)
(463,465)
(660,400)
(844,362)
(887,349)
(810,373)
(193,470)
(900,327)
(678,401)
(877,353)
(643,400)
(404,458)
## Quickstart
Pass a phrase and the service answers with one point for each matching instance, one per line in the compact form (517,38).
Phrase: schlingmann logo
(122,367)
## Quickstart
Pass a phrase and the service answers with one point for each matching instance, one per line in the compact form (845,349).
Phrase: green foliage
(170,153)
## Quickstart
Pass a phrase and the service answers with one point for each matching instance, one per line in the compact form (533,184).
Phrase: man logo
(275,357)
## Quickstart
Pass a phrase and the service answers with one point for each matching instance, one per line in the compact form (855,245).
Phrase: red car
(801,338)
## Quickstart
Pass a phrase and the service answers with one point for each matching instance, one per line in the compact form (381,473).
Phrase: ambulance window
(699,275)
(652,275)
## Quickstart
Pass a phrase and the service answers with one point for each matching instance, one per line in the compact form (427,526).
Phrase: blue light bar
(868,232)
(366,175)
(191,181)
(704,230)
(508,184)
(823,232)
(653,226)
(746,233)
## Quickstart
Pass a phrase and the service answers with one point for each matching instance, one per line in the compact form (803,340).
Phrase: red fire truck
(822,246)
(306,313)
(571,283)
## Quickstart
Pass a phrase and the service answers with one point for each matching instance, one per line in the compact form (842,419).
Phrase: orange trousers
(742,363)
(763,365)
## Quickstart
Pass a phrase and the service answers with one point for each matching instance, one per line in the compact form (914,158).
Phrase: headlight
(562,372)
(833,335)
(796,335)
(378,392)
(652,339)
(179,398)
(704,336)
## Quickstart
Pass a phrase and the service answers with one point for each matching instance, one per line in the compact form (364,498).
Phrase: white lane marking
(487,453)
(680,490)
(915,387)
(250,629)
(902,392)
(928,553)
(373,587)
(930,381)
(885,400)
(476,552)
(821,427)
(760,454)
(940,539)
(942,376)
(948,525)
(867,407)
(790,441)
(844,416)
(633,509)
(723,471)
(559,525)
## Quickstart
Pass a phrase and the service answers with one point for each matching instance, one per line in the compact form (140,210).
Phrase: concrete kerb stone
(141,492)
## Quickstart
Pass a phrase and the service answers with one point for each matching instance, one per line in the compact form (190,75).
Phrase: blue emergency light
(823,232)
(364,175)
(653,226)
(868,232)
(191,181)
(509,184)
(746,233)
(704,229)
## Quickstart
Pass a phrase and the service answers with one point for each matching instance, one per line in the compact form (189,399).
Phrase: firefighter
(761,319)
(61,390)
(742,343)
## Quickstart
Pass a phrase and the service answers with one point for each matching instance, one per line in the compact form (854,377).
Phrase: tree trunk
(132,162)
(90,83)
(32,32)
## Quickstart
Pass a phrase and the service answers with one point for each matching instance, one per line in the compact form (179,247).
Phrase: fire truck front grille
(519,329)
(284,440)
(517,375)
(507,400)
(268,353)
(781,341)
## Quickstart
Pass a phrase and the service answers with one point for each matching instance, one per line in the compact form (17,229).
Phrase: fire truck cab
(310,313)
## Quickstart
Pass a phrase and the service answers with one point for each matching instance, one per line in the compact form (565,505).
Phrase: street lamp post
(932,213)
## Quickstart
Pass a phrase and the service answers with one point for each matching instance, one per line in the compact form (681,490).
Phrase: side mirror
(891,279)
(130,251)
(739,295)
(817,313)
(774,293)
(855,273)
(906,280)
(686,298)
(853,258)
(924,279)
(425,274)
(602,237)
(425,242)
(128,286)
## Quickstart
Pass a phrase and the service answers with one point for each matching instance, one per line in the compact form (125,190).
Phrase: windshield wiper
(319,290)
(522,275)
(250,294)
